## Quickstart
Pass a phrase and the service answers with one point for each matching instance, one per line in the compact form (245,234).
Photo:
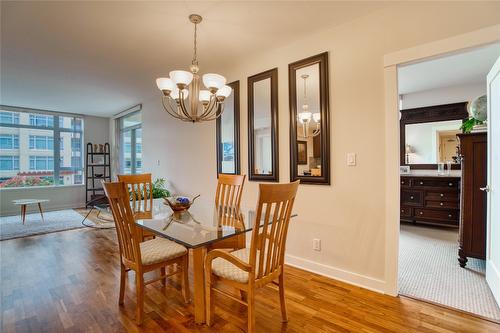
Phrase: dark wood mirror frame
(236,94)
(274,176)
(429,114)
(322,60)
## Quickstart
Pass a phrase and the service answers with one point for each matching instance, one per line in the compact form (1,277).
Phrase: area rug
(12,227)
(429,270)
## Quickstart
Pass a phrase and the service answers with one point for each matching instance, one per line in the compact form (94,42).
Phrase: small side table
(25,202)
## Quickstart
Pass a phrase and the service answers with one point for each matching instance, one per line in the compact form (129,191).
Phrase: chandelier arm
(208,110)
(217,115)
(168,108)
(183,106)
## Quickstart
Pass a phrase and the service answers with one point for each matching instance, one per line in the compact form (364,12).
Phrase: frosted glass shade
(164,83)
(214,81)
(317,117)
(224,91)
(175,93)
(304,117)
(204,96)
(181,77)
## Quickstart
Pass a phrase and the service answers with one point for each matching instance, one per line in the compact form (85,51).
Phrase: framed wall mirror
(309,120)
(263,126)
(429,135)
(228,134)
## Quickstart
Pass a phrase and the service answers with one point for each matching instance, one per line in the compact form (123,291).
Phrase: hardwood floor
(69,281)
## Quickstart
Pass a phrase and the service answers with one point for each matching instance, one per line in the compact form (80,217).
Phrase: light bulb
(181,78)
(176,92)
(165,84)
(304,117)
(224,91)
(205,96)
(317,117)
(214,81)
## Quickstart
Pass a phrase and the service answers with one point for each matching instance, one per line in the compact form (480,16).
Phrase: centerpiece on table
(179,203)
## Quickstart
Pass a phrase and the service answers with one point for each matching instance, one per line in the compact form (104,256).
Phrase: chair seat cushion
(224,269)
(160,249)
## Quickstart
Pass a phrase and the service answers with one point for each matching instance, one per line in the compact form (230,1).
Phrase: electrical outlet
(351,159)
(317,244)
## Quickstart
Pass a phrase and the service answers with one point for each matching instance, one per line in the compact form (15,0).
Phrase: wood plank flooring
(68,281)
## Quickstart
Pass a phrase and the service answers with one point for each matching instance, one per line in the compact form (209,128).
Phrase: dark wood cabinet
(473,152)
(430,200)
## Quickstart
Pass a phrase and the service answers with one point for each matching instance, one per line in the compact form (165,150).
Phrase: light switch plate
(351,159)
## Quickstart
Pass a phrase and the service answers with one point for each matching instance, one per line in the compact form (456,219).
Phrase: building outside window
(9,141)
(30,142)
(7,117)
(130,128)
(8,163)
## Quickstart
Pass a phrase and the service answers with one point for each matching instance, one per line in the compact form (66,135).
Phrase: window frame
(133,142)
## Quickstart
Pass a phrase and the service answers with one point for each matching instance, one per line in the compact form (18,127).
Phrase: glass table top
(201,225)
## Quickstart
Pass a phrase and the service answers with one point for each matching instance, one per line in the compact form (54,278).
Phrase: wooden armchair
(142,257)
(248,269)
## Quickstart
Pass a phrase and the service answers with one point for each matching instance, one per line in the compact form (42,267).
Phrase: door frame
(392,61)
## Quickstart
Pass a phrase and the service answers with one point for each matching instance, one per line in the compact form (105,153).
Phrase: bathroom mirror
(228,133)
(263,126)
(309,120)
(428,135)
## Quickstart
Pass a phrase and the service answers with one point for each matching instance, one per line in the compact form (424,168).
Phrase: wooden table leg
(199,284)
(23,212)
(41,212)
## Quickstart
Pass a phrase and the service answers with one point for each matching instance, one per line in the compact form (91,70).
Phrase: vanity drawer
(434,182)
(441,204)
(406,212)
(442,195)
(451,215)
(412,198)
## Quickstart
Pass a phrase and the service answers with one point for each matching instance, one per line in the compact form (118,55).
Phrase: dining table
(199,228)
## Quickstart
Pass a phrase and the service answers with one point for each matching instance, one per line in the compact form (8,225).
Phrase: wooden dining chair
(142,257)
(251,268)
(227,203)
(140,188)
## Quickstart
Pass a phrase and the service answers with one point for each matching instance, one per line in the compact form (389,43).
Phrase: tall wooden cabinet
(472,241)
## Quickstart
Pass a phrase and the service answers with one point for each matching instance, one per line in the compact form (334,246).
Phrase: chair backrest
(140,188)
(274,210)
(128,235)
(229,189)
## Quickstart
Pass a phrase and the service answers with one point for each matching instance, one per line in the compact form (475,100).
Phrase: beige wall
(349,215)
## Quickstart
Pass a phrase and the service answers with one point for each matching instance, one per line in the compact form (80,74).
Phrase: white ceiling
(99,58)
(458,69)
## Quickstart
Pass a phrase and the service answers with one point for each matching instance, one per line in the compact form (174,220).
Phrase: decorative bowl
(179,203)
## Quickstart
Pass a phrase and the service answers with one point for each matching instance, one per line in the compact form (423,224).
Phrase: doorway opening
(442,238)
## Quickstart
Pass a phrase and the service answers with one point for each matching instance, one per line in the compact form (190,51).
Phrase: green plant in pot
(159,189)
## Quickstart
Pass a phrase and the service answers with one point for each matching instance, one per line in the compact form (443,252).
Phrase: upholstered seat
(160,249)
(225,269)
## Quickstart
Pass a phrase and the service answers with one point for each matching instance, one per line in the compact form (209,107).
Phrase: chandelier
(306,116)
(203,105)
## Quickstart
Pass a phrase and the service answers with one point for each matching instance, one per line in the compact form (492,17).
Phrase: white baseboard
(493,279)
(34,209)
(337,274)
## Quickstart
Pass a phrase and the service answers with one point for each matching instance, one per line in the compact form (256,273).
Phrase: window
(9,141)
(41,163)
(41,142)
(41,121)
(131,143)
(48,149)
(9,117)
(8,163)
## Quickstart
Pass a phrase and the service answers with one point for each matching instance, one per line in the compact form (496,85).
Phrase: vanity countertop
(431,173)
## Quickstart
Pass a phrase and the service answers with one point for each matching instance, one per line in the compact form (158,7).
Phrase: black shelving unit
(98,168)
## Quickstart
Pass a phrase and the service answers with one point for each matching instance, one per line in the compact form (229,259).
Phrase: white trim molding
(335,273)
